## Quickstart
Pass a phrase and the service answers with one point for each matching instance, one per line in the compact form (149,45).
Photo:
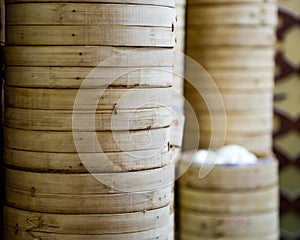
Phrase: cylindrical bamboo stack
(178,81)
(231,202)
(233,40)
(87,125)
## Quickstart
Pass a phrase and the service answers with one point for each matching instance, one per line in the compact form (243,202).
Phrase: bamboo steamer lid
(259,144)
(73,77)
(71,162)
(88,99)
(93,203)
(233,202)
(91,36)
(224,225)
(185,236)
(226,177)
(166,3)
(153,234)
(88,224)
(233,57)
(87,56)
(85,14)
(233,14)
(230,36)
(61,120)
(89,184)
(64,142)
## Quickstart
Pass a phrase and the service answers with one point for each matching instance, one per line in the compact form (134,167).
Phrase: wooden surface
(88,99)
(89,224)
(184,236)
(89,184)
(91,36)
(85,14)
(87,56)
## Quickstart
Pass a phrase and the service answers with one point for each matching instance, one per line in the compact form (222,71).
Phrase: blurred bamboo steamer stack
(178,81)
(231,202)
(234,41)
(87,125)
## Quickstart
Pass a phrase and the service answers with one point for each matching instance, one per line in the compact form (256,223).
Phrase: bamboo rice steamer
(84,14)
(72,162)
(87,99)
(85,77)
(87,56)
(64,142)
(87,224)
(233,14)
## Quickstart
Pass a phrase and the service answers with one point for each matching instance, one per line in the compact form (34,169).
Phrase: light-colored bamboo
(90,224)
(233,202)
(224,225)
(167,3)
(233,14)
(89,184)
(87,142)
(75,163)
(80,14)
(91,36)
(73,77)
(61,120)
(88,99)
(89,203)
(87,56)
(221,35)
(242,177)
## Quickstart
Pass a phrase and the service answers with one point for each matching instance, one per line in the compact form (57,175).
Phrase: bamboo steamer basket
(232,202)
(230,36)
(89,99)
(224,225)
(31,223)
(85,14)
(93,203)
(61,120)
(83,77)
(166,3)
(64,142)
(38,184)
(260,143)
(87,56)
(91,36)
(233,14)
(233,57)
(226,177)
(73,163)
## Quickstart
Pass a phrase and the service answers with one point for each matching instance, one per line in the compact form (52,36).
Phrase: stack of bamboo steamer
(234,41)
(124,191)
(231,202)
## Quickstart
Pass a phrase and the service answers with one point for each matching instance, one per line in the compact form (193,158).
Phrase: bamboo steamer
(230,36)
(72,162)
(233,57)
(223,225)
(246,201)
(61,120)
(226,177)
(64,142)
(93,203)
(72,77)
(88,99)
(39,184)
(166,3)
(87,56)
(85,14)
(91,36)
(31,223)
(233,14)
